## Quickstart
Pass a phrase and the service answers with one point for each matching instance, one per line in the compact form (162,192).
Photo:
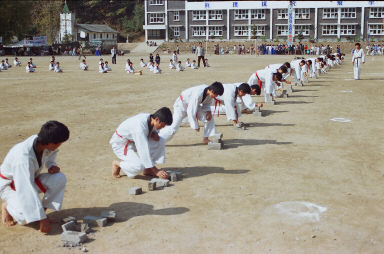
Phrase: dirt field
(294,182)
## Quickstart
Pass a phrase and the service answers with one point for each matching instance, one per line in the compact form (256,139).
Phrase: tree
(300,36)
(254,33)
(46,18)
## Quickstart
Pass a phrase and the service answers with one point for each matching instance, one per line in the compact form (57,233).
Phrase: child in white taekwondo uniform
(21,179)
(57,67)
(102,69)
(284,69)
(16,62)
(265,78)
(29,68)
(358,58)
(179,67)
(138,146)
(296,71)
(107,67)
(32,64)
(7,63)
(84,65)
(188,63)
(51,66)
(229,98)
(3,66)
(171,64)
(156,69)
(142,63)
(195,104)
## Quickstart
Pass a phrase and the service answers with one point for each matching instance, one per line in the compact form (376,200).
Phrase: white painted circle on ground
(341,120)
(346,91)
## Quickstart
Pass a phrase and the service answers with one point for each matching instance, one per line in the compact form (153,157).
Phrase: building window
(303,29)
(349,13)
(107,36)
(330,13)
(176,31)
(302,13)
(240,30)
(241,14)
(282,14)
(156,2)
(215,31)
(347,29)
(260,30)
(199,15)
(282,30)
(198,31)
(376,29)
(376,12)
(176,16)
(329,29)
(94,36)
(156,18)
(258,14)
(113,36)
(101,36)
(215,15)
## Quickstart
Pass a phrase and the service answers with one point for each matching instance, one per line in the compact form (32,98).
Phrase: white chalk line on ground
(345,91)
(340,119)
(299,210)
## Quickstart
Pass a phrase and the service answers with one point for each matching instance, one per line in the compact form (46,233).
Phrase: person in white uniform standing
(21,179)
(358,58)
(195,104)
(139,147)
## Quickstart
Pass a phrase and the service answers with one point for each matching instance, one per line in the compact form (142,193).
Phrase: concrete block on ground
(152,186)
(216,138)
(271,102)
(135,191)
(257,113)
(95,221)
(289,89)
(69,226)
(68,219)
(160,183)
(84,228)
(73,237)
(179,175)
(215,146)
(110,215)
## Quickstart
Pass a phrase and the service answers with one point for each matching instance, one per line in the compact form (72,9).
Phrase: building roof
(66,9)
(97,28)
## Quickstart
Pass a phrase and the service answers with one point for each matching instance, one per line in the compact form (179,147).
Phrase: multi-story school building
(268,20)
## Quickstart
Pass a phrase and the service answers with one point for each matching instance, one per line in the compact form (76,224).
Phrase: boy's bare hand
(54,170)
(208,116)
(45,227)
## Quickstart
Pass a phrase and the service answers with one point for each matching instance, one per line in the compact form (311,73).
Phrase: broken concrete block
(173,177)
(271,102)
(110,215)
(69,226)
(257,113)
(216,138)
(215,146)
(84,228)
(68,219)
(73,237)
(160,182)
(289,89)
(95,221)
(152,186)
(135,191)
(179,175)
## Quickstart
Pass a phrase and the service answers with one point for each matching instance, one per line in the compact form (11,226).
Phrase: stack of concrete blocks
(159,183)
(135,191)
(109,215)
(257,112)
(270,101)
(289,89)
(284,94)
(216,142)
(240,126)
(95,221)
(74,233)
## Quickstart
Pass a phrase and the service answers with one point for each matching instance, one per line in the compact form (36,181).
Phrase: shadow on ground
(202,171)
(124,212)
(234,143)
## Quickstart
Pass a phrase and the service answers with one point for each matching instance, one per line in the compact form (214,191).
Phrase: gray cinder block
(271,102)
(95,221)
(69,226)
(68,219)
(160,182)
(84,228)
(289,89)
(173,177)
(73,237)
(257,113)
(216,138)
(215,146)
(135,191)
(110,215)
(152,186)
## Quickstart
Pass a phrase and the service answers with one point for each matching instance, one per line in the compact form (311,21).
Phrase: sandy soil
(294,182)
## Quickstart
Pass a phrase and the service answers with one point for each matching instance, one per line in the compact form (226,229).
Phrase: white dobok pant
(356,68)
(52,199)
(130,161)
(178,115)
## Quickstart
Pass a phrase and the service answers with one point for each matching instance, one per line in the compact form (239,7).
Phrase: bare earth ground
(294,182)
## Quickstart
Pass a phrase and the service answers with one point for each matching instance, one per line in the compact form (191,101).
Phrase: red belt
(218,111)
(126,145)
(258,80)
(37,181)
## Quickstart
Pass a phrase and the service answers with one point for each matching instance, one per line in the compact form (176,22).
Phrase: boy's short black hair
(287,64)
(283,68)
(278,76)
(257,88)
(302,61)
(217,88)
(309,61)
(358,44)
(53,132)
(164,114)
(245,88)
